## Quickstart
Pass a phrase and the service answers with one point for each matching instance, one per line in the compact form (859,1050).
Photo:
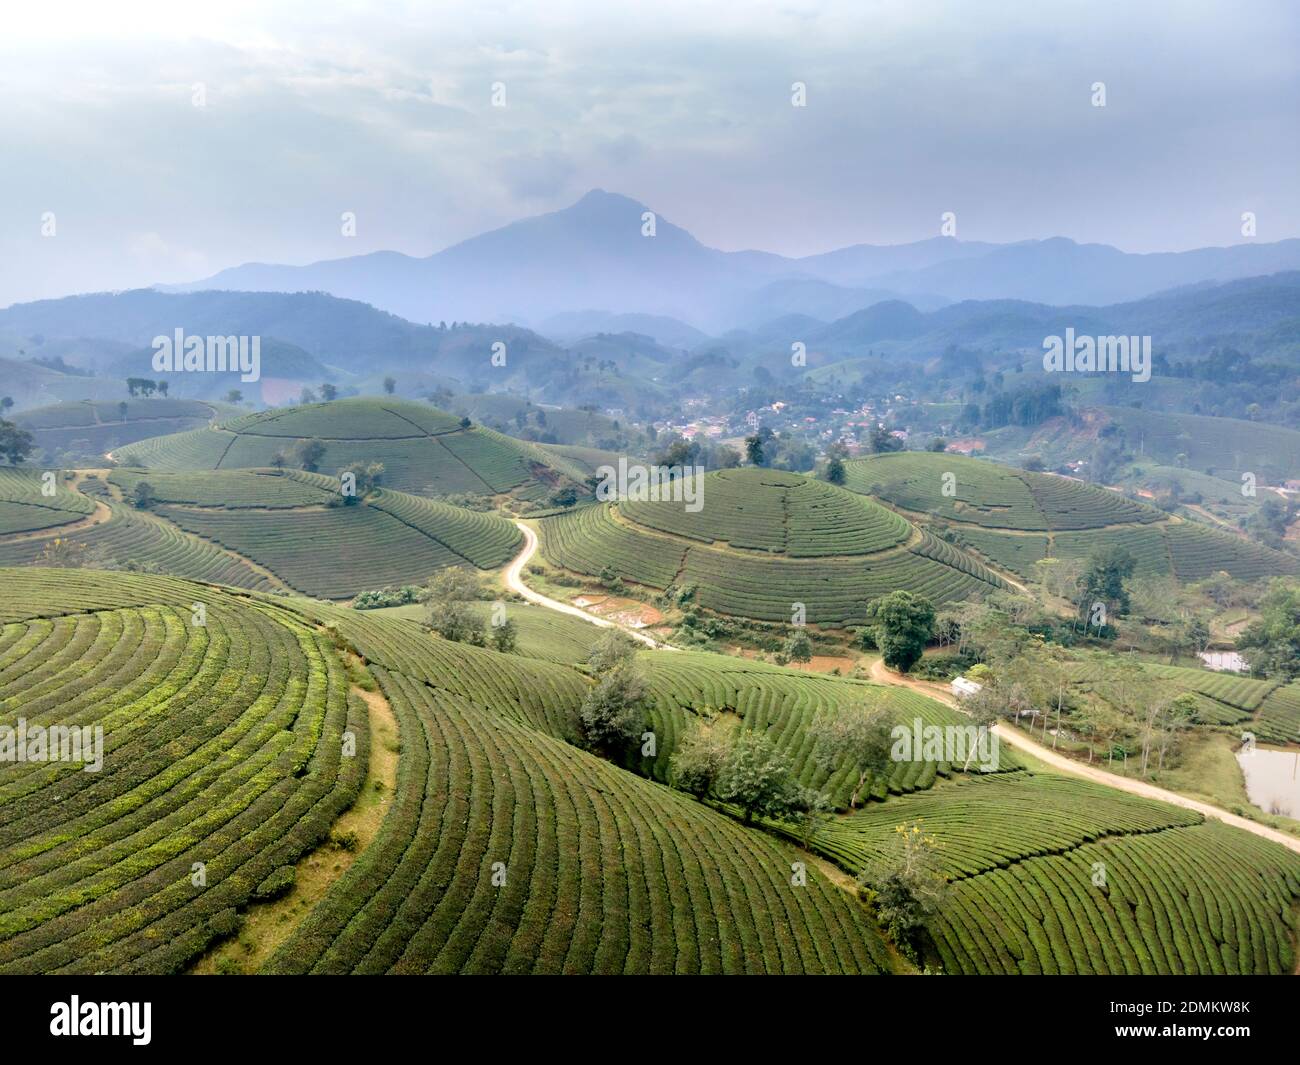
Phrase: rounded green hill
(757,542)
(423,449)
(1015,518)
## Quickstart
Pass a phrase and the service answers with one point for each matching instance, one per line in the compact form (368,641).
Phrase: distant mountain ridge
(328,334)
(597,256)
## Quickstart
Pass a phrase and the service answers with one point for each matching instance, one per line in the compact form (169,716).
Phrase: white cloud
(384,108)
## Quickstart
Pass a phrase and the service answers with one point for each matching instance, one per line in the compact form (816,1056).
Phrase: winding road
(881,675)
(1016,738)
(515,583)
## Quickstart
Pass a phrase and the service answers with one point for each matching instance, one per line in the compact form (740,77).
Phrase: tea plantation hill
(1015,518)
(423,449)
(87,429)
(763,540)
(249,528)
(223,746)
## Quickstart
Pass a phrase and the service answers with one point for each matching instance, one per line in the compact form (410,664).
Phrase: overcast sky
(385,109)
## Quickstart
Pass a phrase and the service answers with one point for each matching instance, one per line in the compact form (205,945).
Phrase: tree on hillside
(906,886)
(449,612)
(390,385)
(142,495)
(1272,642)
(163,386)
(366,477)
(15,444)
(5,403)
(901,623)
(505,637)
(725,457)
(937,444)
(612,715)
(122,408)
(328,392)
(698,758)
(306,396)
(1103,581)
(754,450)
(835,470)
(883,441)
(756,777)
(798,647)
(856,738)
(308,453)
(234,397)
(465,423)
(811,809)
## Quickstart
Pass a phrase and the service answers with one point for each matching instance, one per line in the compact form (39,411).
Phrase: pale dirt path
(515,583)
(268,924)
(1068,765)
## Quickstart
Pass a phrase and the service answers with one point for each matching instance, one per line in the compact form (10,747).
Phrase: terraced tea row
(986,821)
(89,428)
(393,540)
(210,526)
(782,703)
(509,851)
(1279,715)
(143,540)
(771,511)
(834,591)
(222,763)
(233,489)
(1203,899)
(422,449)
(26,506)
(1015,518)
(975,492)
(1058,875)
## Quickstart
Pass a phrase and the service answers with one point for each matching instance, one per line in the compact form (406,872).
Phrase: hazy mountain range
(312,336)
(592,259)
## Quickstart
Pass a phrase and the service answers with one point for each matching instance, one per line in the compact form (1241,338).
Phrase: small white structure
(1227,661)
(963,686)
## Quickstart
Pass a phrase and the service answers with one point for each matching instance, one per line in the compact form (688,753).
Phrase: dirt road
(515,583)
(1015,738)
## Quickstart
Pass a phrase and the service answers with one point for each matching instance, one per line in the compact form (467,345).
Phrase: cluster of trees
(678,451)
(143,386)
(15,443)
(450,599)
(327,393)
(1271,643)
(1270,521)
(1028,405)
(612,716)
(784,452)
(304,454)
(365,478)
(1122,707)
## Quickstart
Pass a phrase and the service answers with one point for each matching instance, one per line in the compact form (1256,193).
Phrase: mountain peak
(598,200)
